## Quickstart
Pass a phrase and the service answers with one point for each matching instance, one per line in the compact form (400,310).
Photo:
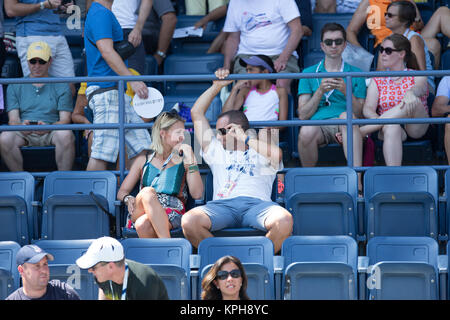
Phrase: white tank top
(262,106)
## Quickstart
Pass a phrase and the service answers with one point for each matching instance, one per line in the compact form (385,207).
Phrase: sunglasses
(223,275)
(34,61)
(98,265)
(388,50)
(222,131)
(329,42)
(390,15)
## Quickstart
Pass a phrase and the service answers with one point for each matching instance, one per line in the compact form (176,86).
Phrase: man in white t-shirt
(244,169)
(132,15)
(441,108)
(272,28)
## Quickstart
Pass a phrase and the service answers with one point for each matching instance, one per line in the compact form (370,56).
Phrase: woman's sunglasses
(388,50)
(34,61)
(223,275)
(329,42)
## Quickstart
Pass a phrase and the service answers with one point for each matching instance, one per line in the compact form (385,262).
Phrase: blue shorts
(238,212)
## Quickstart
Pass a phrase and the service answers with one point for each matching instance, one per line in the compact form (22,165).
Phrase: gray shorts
(238,212)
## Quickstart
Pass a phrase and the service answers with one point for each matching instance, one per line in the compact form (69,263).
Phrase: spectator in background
(396,97)
(2,45)
(244,169)
(158,30)
(372,12)
(165,178)
(119,278)
(441,108)
(272,28)
(38,104)
(399,17)
(226,280)
(132,15)
(334,6)
(36,21)
(325,98)
(439,22)
(32,264)
(101,30)
(202,7)
(218,44)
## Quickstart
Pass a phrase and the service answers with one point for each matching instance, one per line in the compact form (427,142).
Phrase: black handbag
(124,48)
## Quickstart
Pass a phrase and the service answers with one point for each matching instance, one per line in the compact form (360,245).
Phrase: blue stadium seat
(185,64)
(64,268)
(11,67)
(256,255)
(169,258)
(403,268)
(320,268)
(189,99)
(401,201)
(323,201)
(9,275)
(445,60)
(16,207)
(444,213)
(69,211)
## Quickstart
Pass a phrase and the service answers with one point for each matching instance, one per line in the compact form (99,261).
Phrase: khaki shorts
(329,134)
(36,140)
(291,67)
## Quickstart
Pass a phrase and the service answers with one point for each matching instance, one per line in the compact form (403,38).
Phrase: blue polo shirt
(41,23)
(337,99)
(100,24)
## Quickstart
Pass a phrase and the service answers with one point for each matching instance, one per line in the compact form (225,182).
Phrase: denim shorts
(238,212)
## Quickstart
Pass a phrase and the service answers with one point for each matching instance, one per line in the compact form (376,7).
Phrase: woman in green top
(164,173)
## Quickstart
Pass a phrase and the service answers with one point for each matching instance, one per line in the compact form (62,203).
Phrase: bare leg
(447,141)
(393,136)
(96,165)
(10,144)
(279,225)
(148,203)
(144,228)
(64,142)
(196,225)
(309,139)
(325,6)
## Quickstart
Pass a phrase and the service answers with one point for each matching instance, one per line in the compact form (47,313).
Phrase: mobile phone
(33,122)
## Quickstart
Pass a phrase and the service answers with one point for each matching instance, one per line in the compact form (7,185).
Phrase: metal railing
(122,126)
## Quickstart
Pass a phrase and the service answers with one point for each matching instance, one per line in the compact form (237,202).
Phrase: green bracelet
(193,168)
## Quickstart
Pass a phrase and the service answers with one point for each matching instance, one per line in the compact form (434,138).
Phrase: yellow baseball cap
(40,50)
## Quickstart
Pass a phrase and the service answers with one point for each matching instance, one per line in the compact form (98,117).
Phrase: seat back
(168,257)
(189,99)
(401,201)
(184,64)
(18,192)
(255,250)
(64,268)
(9,275)
(320,267)
(403,268)
(323,201)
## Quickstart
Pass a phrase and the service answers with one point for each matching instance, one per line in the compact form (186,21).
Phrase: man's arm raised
(202,130)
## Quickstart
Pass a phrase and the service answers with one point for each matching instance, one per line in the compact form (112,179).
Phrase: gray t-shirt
(56,290)
(153,23)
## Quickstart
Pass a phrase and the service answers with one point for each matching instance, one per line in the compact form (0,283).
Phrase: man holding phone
(325,98)
(38,104)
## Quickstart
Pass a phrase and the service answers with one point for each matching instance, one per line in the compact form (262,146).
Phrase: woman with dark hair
(226,280)
(400,15)
(396,97)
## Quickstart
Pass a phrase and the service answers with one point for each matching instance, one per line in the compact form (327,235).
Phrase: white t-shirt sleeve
(444,87)
(232,22)
(288,10)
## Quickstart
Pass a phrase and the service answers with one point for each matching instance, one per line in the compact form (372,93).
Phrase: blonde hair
(163,122)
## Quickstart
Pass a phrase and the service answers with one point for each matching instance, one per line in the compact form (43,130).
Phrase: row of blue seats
(309,267)
(397,201)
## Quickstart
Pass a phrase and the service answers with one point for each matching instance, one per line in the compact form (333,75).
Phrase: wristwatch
(41,5)
(125,199)
(161,54)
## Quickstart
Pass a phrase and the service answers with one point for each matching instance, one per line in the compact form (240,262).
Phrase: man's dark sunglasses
(223,275)
(329,42)
(34,61)
(388,50)
(222,131)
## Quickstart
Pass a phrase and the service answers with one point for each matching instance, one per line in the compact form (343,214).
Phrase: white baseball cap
(105,249)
